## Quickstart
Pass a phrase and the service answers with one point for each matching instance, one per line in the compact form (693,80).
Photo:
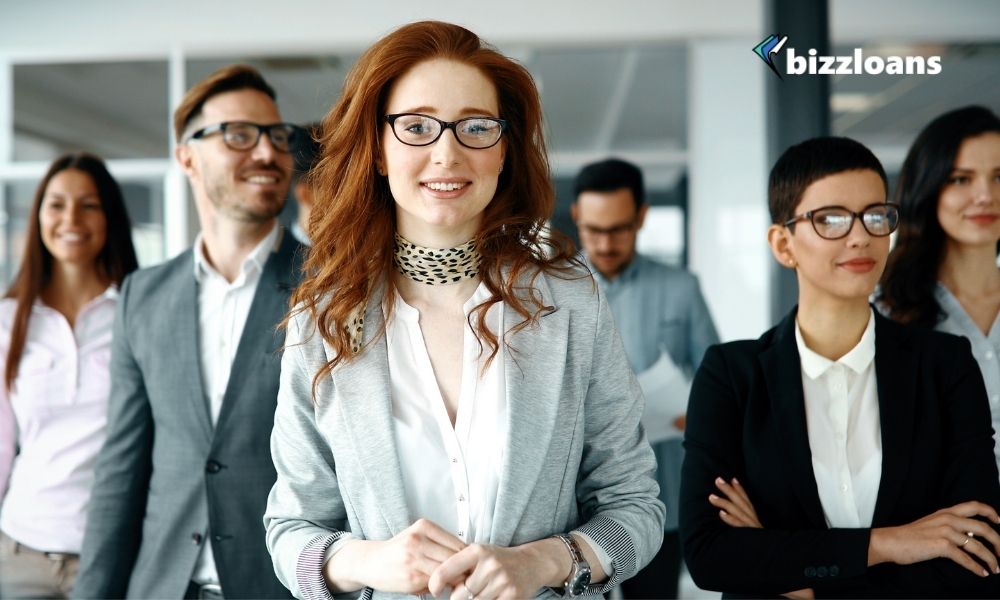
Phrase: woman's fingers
(732,521)
(437,534)
(735,492)
(971,545)
(973,509)
(736,501)
(734,511)
(960,556)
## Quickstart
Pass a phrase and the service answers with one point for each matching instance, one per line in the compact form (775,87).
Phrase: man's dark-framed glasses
(415,129)
(242,135)
(835,222)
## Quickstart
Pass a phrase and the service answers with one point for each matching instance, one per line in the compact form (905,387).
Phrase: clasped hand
(425,558)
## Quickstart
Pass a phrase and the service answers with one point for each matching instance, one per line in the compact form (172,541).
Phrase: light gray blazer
(577,457)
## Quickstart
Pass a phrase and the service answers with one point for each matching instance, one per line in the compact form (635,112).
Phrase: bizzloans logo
(858,64)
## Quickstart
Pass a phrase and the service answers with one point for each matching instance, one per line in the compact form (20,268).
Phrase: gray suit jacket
(577,458)
(164,479)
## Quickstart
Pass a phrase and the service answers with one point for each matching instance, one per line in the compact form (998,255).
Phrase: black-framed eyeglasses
(616,231)
(415,129)
(242,135)
(835,222)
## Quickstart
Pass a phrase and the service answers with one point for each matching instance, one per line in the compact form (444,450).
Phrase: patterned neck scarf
(436,266)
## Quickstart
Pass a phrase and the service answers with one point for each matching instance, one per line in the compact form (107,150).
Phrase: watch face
(581,579)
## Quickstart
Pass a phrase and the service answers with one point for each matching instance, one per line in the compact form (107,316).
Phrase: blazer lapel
(532,374)
(894,368)
(783,377)
(185,321)
(364,398)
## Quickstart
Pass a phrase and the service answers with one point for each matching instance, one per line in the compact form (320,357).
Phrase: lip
(858,265)
(983,219)
(270,178)
(71,237)
(445,194)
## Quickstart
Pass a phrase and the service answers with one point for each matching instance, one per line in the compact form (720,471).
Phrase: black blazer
(746,418)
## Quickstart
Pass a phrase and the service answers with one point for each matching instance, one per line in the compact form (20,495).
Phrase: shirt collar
(254,261)
(630,272)
(109,294)
(858,359)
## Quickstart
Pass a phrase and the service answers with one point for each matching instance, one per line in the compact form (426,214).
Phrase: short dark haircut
(805,163)
(610,175)
(226,79)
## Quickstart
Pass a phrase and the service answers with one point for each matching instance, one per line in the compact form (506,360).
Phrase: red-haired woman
(456,411)
(55,342)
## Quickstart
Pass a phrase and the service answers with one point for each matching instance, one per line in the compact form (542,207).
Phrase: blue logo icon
(768,48)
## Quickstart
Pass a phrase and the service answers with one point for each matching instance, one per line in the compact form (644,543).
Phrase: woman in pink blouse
(55,343)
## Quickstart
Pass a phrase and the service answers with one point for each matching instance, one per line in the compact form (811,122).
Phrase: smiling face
(71,218)
(441,190)
(248,185)
(969,204)
(846,269)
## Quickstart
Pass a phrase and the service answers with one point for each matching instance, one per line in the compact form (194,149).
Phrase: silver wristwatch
(579,576)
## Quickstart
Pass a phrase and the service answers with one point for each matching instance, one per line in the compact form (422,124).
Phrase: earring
(501,169)
(791,262)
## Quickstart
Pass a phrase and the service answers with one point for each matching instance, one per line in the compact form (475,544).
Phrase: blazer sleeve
(617,489)
(744,560)
(121,475)
(969,473)
(305,513)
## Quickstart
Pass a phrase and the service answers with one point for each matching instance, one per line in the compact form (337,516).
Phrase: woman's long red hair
(353,223)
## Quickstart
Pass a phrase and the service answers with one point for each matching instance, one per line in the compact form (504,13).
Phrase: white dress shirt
(845,436)
(222,313)
(57,413)
(451,475)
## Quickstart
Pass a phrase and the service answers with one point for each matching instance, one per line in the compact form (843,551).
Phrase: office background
(668,84)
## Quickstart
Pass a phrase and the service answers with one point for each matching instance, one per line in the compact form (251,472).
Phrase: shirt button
(994,400)
(461,498)
(843,487)
(196,539)
(840,436)
(212,467)
(989,355)
(461,534)
(454,460)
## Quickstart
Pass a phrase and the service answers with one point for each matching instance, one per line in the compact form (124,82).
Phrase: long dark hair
(115,261)
(911,274)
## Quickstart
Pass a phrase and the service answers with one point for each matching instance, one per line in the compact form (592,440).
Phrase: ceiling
(629,100)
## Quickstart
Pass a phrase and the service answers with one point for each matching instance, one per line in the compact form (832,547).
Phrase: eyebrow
(61,196)
(467,111)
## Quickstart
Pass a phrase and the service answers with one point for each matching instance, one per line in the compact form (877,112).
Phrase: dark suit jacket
(746,418)
(165,479)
